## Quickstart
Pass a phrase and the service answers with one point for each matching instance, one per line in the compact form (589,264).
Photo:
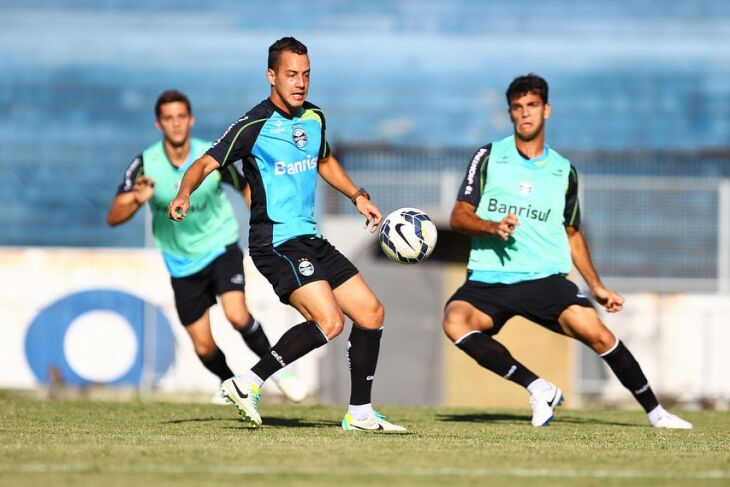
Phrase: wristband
(358,193)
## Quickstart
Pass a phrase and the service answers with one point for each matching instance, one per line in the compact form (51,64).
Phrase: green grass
(55,443)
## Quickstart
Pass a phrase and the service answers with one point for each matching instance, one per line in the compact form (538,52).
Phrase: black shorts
(195,293)
(540,300)
(300,261)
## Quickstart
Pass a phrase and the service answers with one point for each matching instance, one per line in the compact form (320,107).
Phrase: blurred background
(641,106)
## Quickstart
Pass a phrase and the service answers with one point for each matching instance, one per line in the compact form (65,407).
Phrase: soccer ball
(407,236)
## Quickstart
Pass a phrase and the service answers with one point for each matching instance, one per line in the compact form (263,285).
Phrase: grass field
(134,443)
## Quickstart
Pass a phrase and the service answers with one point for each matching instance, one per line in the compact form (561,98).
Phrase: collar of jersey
(188,162)
(281,112)
(536,163)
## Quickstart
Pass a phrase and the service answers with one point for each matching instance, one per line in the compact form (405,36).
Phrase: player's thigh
(316,302)
(360,303)
(201,335)
(193,296)
(234,307)
(462,317)
(584,324)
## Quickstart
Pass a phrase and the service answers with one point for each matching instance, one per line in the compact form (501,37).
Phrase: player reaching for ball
(519,203)
(283,144)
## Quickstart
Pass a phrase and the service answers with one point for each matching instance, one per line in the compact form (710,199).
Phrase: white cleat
(219,399)
(245,396)
(543,404)
(665,419)
(290,385)
(376,422)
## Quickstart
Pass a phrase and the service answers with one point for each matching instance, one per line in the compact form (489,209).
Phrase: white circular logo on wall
(100,346)
(306,268)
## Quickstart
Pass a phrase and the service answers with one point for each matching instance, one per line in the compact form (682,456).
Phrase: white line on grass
(45,468)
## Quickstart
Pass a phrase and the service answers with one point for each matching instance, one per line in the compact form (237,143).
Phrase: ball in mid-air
(407,236)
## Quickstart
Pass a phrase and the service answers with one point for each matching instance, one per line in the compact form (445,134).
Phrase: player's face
(528,114)
(175,122)
(290,81)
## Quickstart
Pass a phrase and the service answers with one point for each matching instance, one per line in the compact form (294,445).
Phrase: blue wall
(79,79)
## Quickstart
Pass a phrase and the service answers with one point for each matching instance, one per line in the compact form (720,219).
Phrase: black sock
(494,356)
(295,343)
(216,363)
(628,371)
(363,347)
(254,336)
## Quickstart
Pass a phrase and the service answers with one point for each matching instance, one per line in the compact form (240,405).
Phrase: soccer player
(519,203)
(283,144)
(202,254)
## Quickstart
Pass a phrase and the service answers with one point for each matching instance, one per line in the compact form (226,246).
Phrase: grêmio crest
(299,136)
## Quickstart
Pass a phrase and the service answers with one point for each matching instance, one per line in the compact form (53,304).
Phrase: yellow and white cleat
(376,422)
(245,396)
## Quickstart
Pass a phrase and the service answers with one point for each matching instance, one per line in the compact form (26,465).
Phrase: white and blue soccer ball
(407,236)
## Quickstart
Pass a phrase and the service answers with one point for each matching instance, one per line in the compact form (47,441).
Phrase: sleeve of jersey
(471,187)
(324,148)
(233,174)
(135,169)
(572,205)
(236,142)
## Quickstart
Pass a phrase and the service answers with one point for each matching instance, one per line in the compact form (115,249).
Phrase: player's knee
(239,320)
(373,318)
(453,324)
(600,340)
(204,348)
(332,324)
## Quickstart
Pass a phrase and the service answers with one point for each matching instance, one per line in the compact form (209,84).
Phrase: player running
(519,203)
(202,254)
(283,144)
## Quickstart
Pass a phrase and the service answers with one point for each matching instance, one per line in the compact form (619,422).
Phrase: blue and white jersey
(281,154)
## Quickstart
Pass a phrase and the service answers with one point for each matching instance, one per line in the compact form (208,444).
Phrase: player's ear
(271,76)
(546,114)
(192,120)
(157,124)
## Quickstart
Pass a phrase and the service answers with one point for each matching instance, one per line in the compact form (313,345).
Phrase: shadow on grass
(268,421)
(522,418)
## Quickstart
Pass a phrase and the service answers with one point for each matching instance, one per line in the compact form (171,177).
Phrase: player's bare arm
(125,205)
(246,193)
(609,299)
(332,172)
(196,173)
(465,220)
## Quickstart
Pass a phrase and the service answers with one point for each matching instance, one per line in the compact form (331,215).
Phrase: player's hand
(143,190)
(178,208)
(506,227)
(610,300)
(371,212)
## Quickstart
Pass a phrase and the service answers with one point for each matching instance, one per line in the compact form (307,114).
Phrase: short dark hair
(170,96)
(530,83)
(284,44)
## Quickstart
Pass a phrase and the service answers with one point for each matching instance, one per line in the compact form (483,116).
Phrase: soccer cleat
(668,420)
(219,399)
(245,397)
(376,422)
(290,385)
(543,404)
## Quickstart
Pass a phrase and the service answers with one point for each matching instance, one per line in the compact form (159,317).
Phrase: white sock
(539,385)
(360,412)
(251,378)
(656,413)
